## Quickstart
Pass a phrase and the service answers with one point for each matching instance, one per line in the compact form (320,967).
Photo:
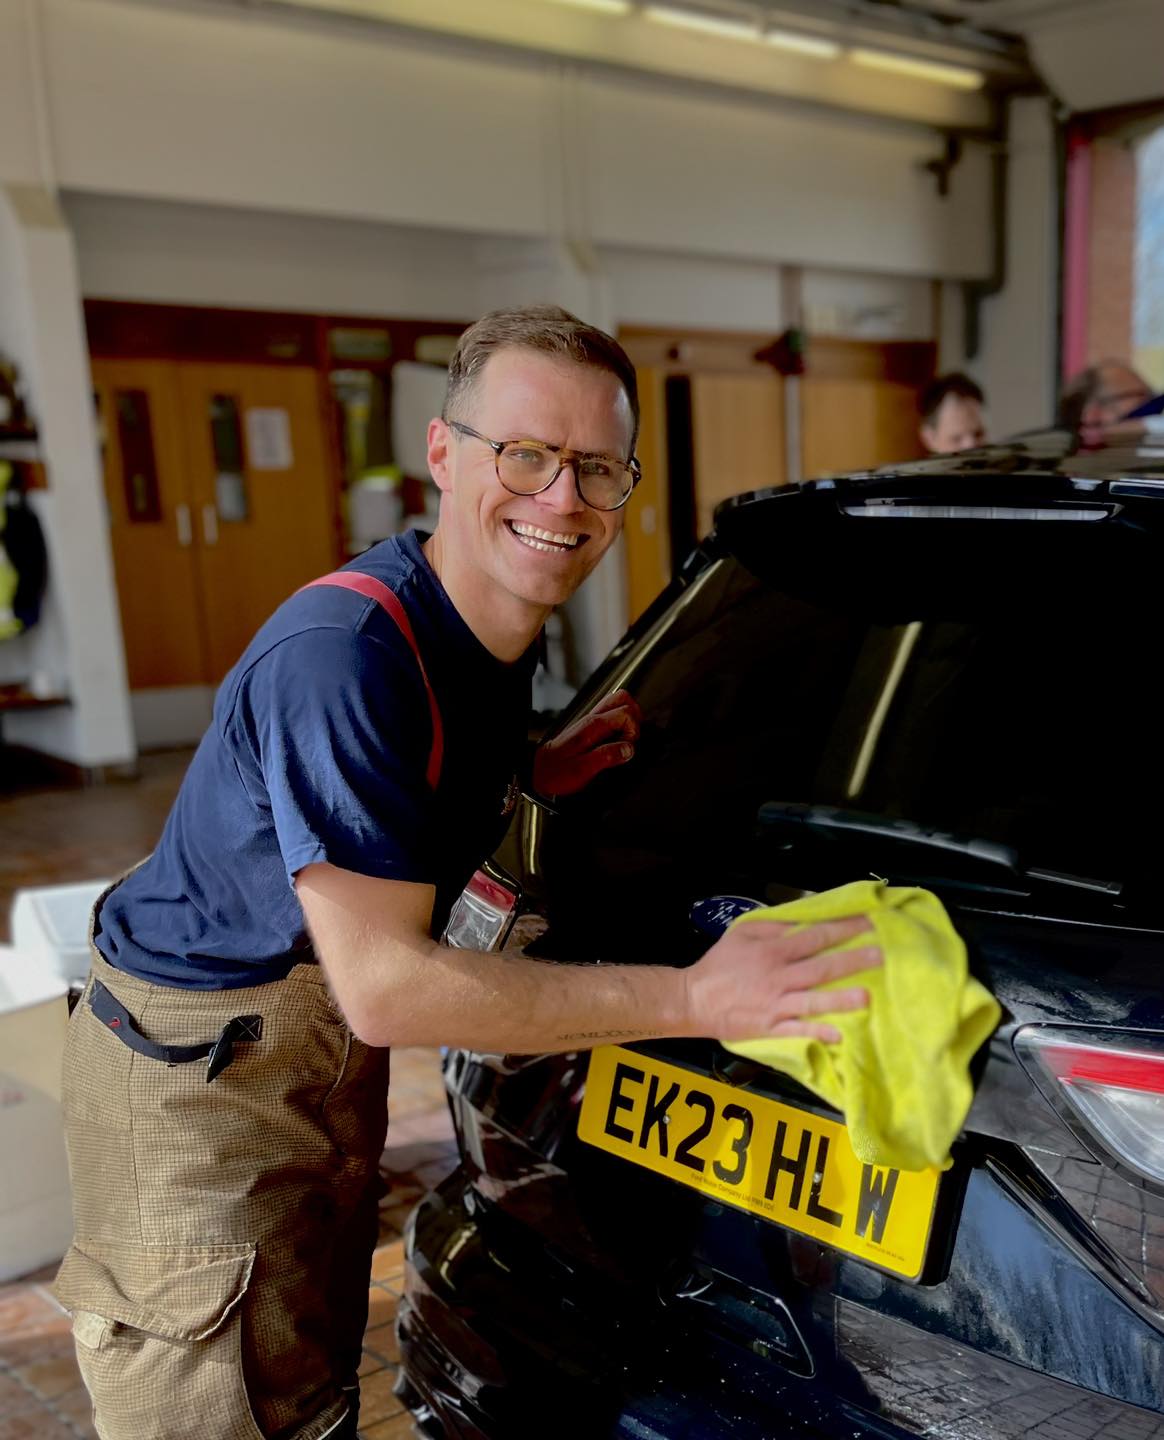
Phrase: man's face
(532,548)
(1120,391)
(956,425)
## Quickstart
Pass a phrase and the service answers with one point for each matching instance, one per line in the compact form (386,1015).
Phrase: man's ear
(440,441)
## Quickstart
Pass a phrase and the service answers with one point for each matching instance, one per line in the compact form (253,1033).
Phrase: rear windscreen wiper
(781,820)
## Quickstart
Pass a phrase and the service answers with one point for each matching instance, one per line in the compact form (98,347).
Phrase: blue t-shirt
(318,751)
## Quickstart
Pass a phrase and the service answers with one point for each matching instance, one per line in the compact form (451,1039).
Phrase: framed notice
(269,440)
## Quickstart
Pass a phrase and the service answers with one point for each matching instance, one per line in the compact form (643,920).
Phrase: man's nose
(563,496)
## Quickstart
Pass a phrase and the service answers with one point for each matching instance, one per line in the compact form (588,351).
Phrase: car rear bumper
(499,1342)
(491,1351)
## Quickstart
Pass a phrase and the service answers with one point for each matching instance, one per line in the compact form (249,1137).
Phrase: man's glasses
(527,467)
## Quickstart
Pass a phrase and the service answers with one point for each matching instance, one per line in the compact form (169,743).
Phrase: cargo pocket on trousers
(158,1336)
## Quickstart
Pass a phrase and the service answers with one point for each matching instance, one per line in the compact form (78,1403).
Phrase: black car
(944,675)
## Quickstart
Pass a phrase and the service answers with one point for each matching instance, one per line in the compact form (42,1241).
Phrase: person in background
(951,415)
(1096,400)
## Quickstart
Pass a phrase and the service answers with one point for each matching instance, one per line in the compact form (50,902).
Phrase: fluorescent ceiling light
(705,24)
(956,75)
(803,44)
(730,29)
(607,7)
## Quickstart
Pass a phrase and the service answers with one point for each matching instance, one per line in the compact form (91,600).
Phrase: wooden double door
(221,502)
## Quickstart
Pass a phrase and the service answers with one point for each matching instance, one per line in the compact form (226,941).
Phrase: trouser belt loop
(113,1014)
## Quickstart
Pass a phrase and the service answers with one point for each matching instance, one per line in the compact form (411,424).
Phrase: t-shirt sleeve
(336,726)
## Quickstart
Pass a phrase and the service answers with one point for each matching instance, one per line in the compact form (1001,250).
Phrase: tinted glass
(230,481)
(1021,714)
(138,463)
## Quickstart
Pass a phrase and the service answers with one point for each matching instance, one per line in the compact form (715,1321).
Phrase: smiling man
(227,1067)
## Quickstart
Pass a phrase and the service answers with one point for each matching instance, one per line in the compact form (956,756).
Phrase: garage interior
(238,240)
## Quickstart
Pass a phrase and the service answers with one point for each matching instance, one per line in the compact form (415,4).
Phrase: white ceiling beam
(634,42)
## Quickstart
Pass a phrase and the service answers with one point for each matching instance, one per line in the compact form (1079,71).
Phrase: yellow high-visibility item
(900,1073)
(9,579)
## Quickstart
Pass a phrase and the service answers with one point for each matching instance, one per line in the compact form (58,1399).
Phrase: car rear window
(1010,698)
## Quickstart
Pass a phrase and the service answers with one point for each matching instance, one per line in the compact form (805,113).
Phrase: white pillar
(77,644)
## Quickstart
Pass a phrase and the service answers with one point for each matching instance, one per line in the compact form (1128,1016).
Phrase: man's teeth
(543,539)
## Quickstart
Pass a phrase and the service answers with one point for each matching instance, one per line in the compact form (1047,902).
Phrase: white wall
(160,251)
(77,645)
(20,158)
(1017,363)
(244,109)
(240,109)
(653,287)
(712,175)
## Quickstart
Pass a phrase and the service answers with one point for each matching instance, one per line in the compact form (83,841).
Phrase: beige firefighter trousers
(218,1279)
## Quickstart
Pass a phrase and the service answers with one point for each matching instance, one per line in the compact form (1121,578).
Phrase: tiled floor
(59,835)
(52,836)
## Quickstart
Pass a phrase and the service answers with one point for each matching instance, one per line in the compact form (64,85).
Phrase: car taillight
(483,913)
(1109,1089)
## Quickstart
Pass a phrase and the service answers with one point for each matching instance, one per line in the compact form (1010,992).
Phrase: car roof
(1045,453)
(1049,466)
(986,520)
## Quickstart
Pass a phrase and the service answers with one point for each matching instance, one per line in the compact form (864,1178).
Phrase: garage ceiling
(1091,54)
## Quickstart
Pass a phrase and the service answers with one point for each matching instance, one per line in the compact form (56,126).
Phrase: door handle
(185,529)
(210,524)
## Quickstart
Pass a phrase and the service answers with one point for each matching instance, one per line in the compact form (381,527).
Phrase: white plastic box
(50,952)
(36,1222)
(50,924)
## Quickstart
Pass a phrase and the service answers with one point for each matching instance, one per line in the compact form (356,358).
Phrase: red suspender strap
(388,600)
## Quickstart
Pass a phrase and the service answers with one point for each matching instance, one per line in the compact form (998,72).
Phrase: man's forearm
(396,986)
(441,996)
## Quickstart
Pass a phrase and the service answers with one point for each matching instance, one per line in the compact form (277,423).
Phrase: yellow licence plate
(773,1159)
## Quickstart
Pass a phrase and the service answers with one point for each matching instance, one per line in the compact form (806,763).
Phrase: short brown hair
(549,330)
(955,383)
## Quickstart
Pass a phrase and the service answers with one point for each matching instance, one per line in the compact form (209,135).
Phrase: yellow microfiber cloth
(900,1072)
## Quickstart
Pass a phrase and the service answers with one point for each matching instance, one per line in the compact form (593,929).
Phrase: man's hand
(760,979)
(600,739)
